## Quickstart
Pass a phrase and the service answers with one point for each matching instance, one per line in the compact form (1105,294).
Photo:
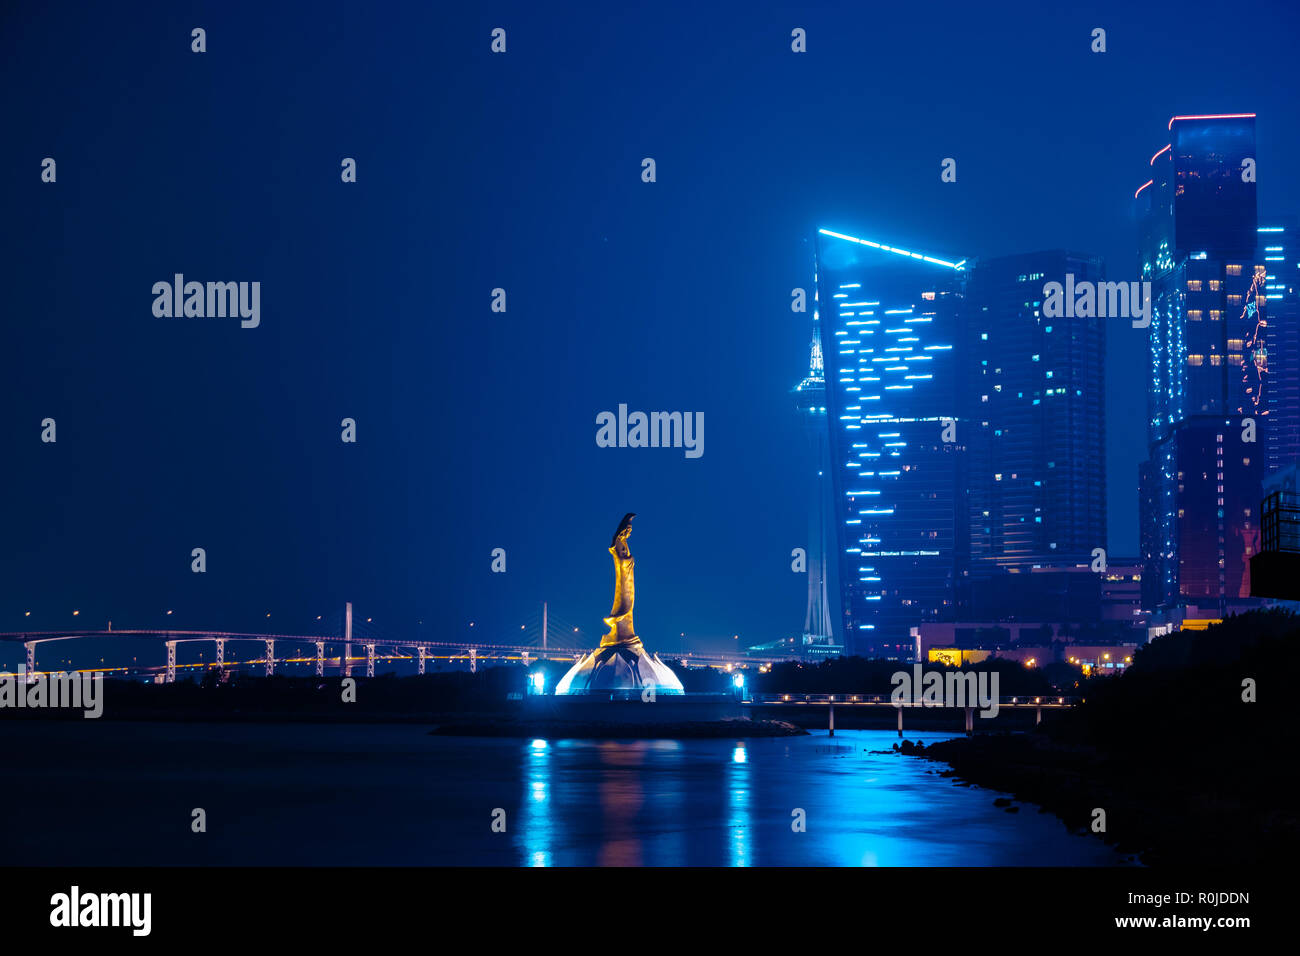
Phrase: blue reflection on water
(738,796)
(536,820)
(632,803)
(567,803)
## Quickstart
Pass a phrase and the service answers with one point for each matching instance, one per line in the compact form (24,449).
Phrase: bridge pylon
(347,640)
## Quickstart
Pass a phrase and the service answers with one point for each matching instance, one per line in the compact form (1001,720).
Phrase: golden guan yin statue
(621,663)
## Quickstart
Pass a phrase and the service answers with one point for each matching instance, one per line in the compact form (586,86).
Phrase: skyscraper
(891,321)
(1279,253)
(1210,388)
(1037,399)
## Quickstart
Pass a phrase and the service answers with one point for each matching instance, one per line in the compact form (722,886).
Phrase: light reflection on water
(535,813)
(431,800)
(719,802)
(738,794)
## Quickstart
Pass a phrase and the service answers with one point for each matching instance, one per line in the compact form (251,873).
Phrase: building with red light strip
(1208,399)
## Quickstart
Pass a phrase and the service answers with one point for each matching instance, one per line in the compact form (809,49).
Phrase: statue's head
(624,528)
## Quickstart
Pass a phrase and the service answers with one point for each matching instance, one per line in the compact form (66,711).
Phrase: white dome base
(619,667)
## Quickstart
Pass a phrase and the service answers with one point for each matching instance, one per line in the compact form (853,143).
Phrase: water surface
(110,793)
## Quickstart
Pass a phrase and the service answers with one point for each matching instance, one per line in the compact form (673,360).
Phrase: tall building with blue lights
(1037,438)
(1209,367)
(891,325)
(1279,253)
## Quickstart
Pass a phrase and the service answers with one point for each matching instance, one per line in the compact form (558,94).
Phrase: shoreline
(1152,814)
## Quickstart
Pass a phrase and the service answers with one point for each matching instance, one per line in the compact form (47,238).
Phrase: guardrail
(1020,700)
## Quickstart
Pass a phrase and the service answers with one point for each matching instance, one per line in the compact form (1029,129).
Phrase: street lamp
(738,681)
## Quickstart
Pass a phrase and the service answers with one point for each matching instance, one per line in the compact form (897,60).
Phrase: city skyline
(928,378)
(182,433)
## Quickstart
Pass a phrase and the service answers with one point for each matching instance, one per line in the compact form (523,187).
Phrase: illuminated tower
(1037,397)
(1279,252)
(810,396)
(895,419)
(1210,393)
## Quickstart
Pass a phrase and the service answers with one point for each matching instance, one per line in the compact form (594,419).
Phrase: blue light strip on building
(893,249)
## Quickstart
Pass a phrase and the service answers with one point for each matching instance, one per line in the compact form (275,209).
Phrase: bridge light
(739,680)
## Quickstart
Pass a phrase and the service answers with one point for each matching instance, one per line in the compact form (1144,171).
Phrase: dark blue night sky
(476,430)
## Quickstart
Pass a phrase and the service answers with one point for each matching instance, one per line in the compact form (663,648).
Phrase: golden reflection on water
(621,799)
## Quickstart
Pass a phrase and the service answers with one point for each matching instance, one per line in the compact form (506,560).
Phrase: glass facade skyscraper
(891,329)
(1037,400)
(1279,253)
(1209,370)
